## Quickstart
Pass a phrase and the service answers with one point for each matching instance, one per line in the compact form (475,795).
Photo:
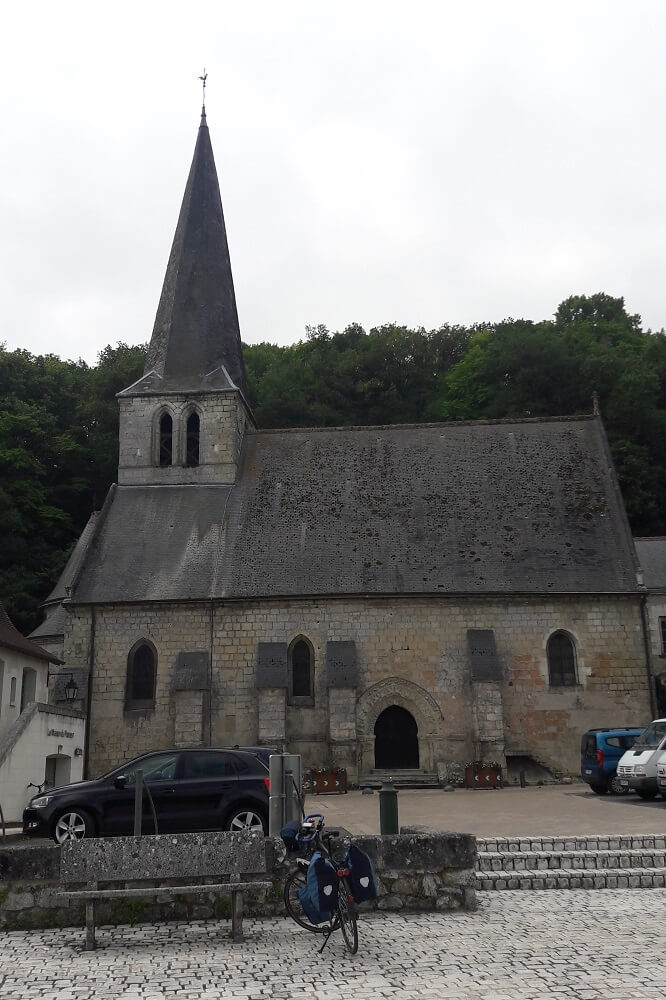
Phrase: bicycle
(311,838)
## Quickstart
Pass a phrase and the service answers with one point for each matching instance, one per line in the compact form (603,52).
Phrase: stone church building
(374,597)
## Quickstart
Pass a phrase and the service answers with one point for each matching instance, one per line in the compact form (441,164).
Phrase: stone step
(601,842)
(386,772)
(567,878)
(543,861)
(400,779)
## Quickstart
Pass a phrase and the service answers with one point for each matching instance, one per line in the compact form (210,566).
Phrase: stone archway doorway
(396,739)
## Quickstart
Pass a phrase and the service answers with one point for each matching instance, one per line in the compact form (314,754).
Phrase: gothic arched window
(141,676)
(166,440)
(192,440)
(561,654)
(301,671)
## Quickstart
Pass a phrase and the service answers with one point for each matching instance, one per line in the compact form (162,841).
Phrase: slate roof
(464,508)
(11,638)
(53,626)
(55,615)
(652,559)
(196,341)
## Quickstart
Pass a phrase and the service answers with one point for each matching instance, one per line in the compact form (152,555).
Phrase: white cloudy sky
(421,162)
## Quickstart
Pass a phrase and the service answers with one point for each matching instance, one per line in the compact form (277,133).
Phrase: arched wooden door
(396,739)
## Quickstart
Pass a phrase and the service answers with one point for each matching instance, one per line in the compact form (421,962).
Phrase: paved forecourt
(550,810)
(517,946)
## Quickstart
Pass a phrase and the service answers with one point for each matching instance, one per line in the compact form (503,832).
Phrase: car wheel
(599,789)
(73,824)
(646,793)
(615,788)
(246,818)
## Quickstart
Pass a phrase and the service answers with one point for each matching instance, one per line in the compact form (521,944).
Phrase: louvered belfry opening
(192,440)
(166,440)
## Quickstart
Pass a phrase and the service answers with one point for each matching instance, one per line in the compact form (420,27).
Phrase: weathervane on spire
(203,87)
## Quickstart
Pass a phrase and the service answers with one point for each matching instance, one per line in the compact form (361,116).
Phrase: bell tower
(184,421)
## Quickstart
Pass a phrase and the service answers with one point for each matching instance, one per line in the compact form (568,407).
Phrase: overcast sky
(422,162)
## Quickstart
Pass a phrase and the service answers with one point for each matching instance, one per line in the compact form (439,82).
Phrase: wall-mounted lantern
(71,687)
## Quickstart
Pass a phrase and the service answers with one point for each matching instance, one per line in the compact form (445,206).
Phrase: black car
(191,790)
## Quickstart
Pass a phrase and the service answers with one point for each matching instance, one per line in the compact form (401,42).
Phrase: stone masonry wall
(418,643)
(656,610)
(189,722)
(271,723)
(223,420)
(489,719)
(433,871)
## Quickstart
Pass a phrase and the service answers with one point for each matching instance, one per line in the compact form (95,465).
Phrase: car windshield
(156,767)
(652,736)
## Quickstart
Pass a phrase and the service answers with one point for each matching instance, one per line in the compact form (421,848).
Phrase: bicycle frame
(312,838)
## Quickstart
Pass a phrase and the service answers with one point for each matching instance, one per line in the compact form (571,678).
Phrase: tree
(58,457)
(554,368)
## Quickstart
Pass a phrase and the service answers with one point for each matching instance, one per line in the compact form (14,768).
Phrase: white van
(637,768)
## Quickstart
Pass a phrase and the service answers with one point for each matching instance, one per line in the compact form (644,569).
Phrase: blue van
(600,752)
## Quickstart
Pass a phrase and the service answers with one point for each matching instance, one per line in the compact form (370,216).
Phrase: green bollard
(388,808)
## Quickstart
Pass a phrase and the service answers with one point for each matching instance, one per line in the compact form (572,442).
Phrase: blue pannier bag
(361,875)
(288,833)
(319,897)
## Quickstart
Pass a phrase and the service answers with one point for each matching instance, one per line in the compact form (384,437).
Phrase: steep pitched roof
(466,508)
(196,340)
(652,558)
(11,638)
(55,615)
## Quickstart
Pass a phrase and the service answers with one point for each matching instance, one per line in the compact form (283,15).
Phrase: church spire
(196,337)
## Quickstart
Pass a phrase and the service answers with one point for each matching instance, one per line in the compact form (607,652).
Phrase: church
(396,597)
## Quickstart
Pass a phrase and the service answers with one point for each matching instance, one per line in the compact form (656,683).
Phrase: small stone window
(166,440)
(192,440)
(301,672)
(561,654)
(141,677)
(662,635)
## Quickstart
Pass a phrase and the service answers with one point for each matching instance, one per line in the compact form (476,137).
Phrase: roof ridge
(574,418)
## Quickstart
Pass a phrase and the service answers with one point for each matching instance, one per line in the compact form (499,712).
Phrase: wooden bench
(226,858)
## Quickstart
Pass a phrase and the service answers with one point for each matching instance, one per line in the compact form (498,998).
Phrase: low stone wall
(415,872)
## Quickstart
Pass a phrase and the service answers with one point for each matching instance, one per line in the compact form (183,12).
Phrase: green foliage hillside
(59,419)
(58,456)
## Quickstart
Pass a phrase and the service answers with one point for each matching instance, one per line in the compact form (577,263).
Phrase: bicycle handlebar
(312,823)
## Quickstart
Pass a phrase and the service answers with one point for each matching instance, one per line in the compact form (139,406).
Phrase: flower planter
(332,782)
(483,777)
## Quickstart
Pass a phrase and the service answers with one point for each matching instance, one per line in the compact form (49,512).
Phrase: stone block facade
(411,652)
(223,421)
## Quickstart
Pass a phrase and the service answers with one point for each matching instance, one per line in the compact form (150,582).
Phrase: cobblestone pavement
(517,946)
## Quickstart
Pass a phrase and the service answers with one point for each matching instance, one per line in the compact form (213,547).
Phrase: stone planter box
(329,783)
(483,777)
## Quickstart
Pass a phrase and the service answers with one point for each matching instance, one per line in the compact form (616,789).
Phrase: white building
(41,744)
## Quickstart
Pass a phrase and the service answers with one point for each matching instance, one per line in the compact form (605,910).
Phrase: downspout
(210,674)
(91,662)
(648,656)
(633,554)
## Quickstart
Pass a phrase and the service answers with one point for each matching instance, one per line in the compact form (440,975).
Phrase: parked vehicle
(191,789)
(661,774)
(600,752)
(637,768)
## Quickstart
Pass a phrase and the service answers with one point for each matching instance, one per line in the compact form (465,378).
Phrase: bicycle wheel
(347,918)
(294,882)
